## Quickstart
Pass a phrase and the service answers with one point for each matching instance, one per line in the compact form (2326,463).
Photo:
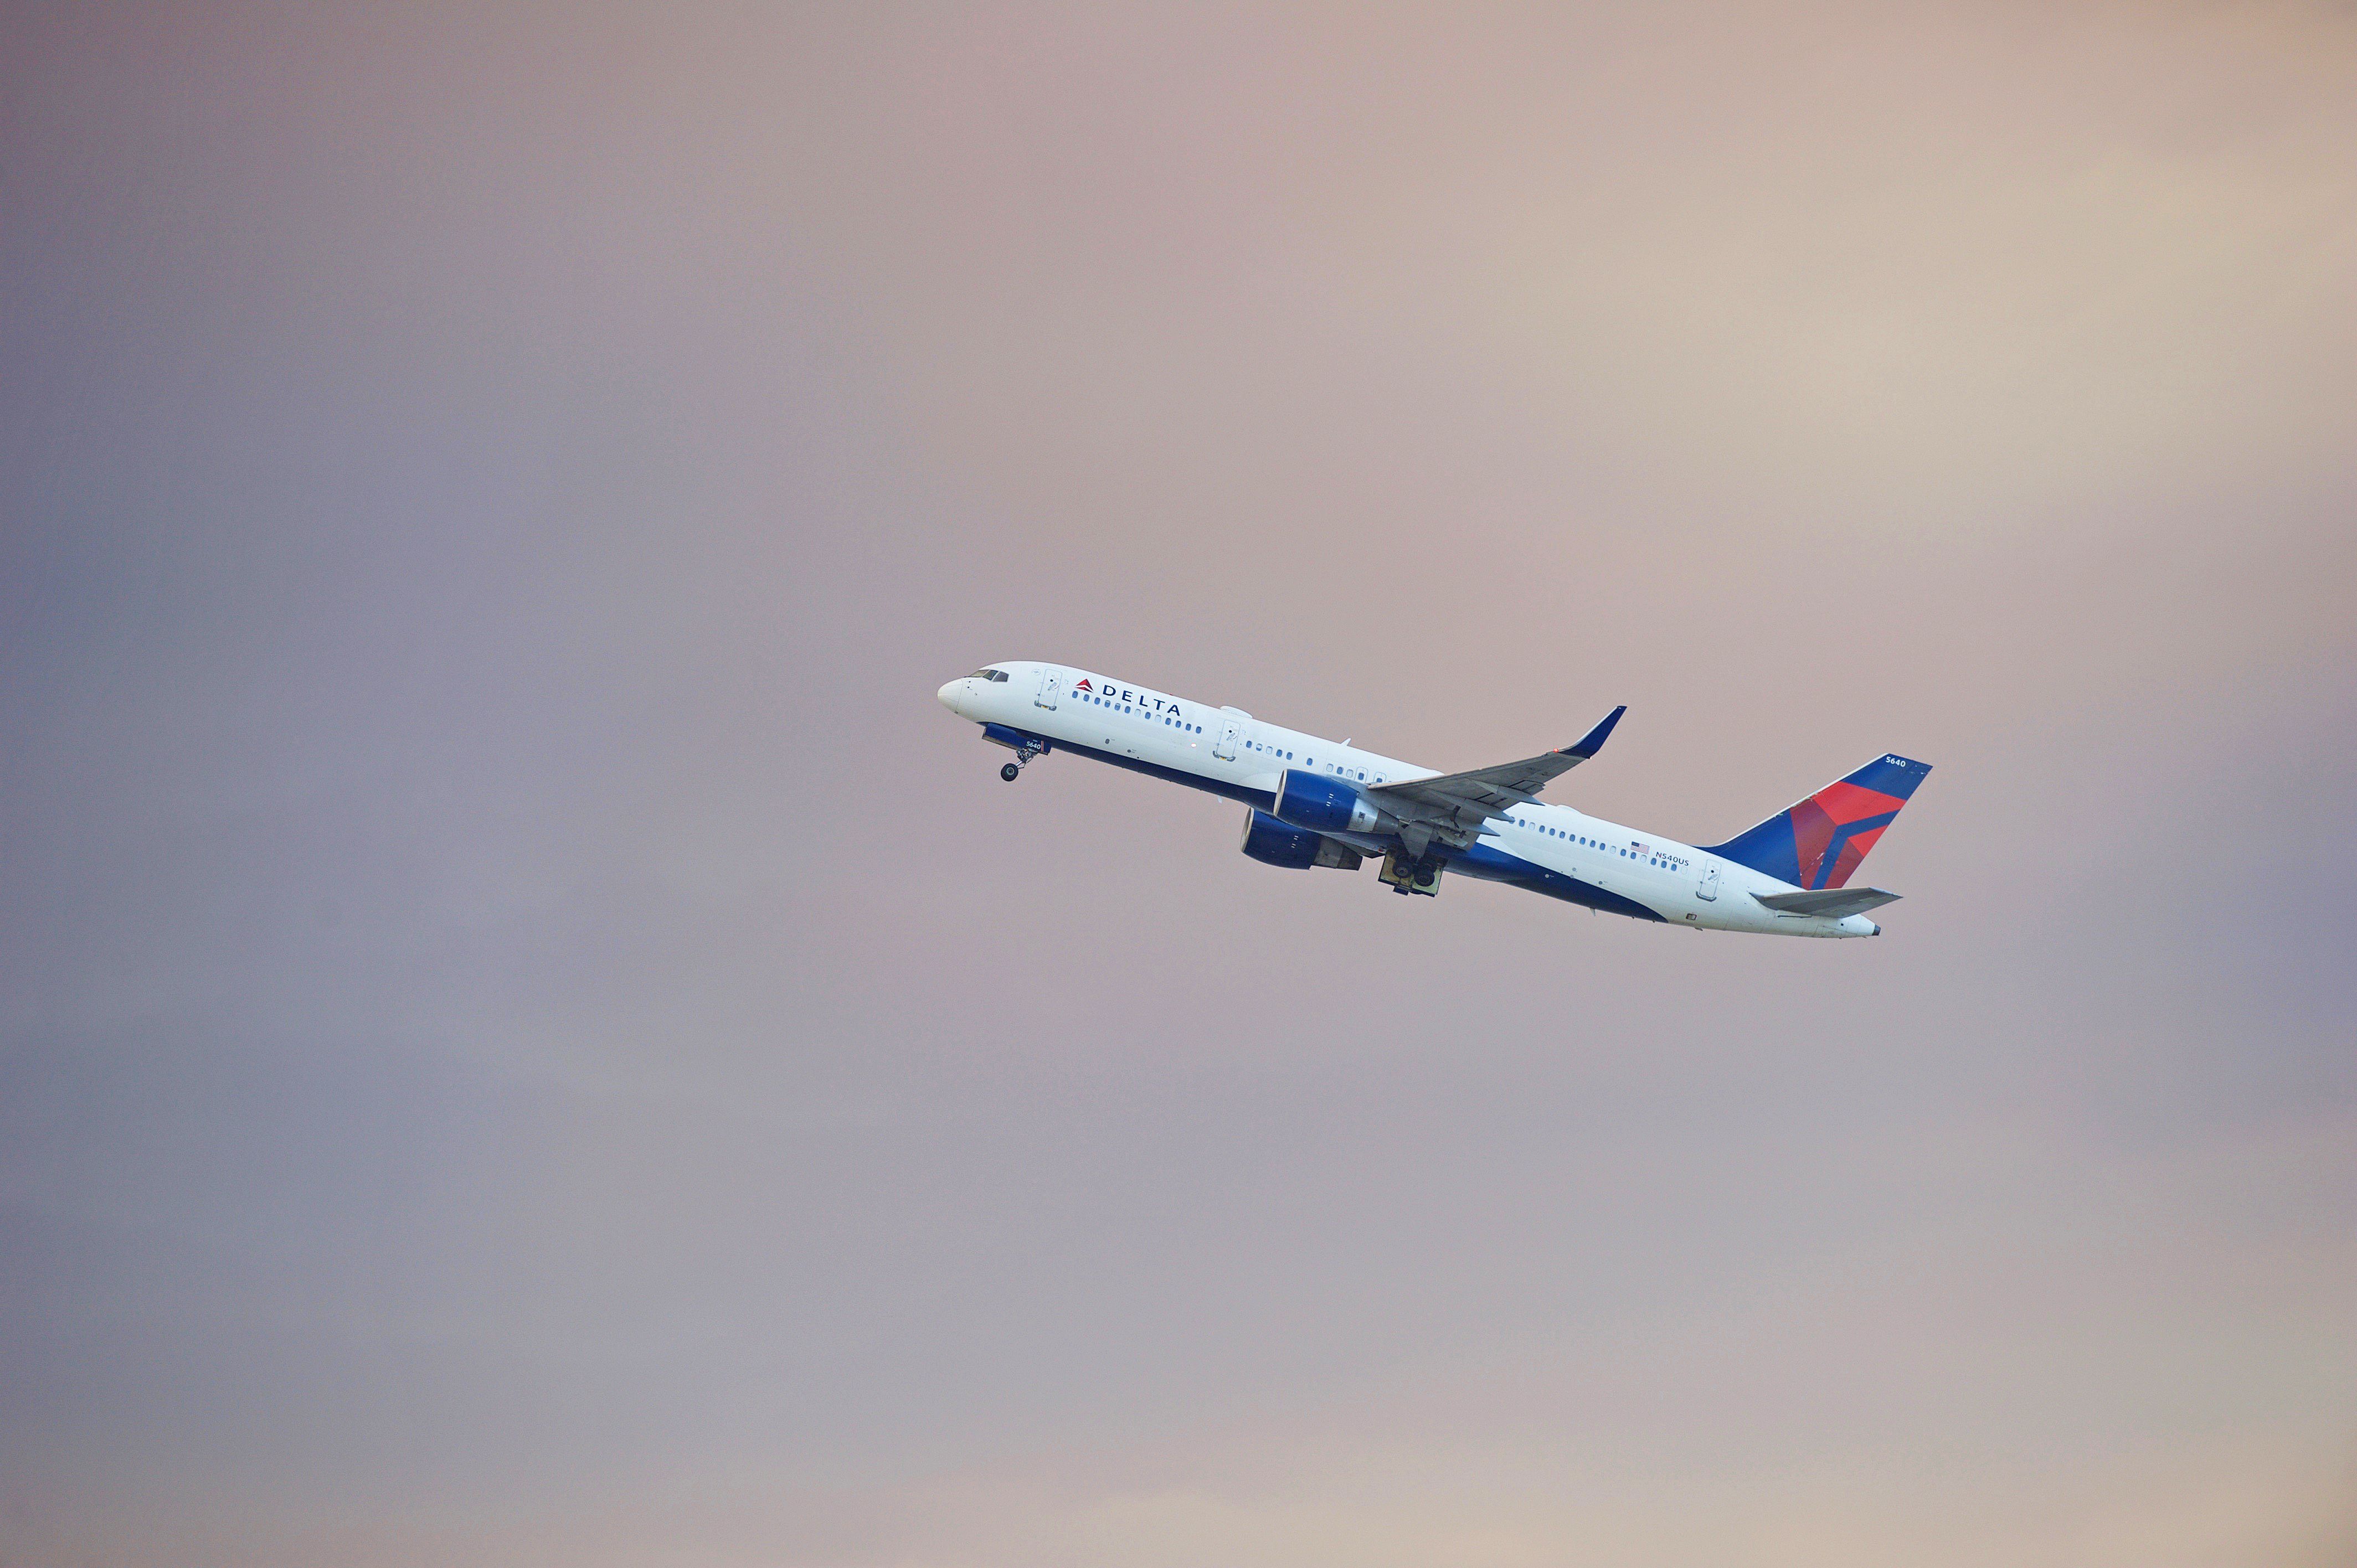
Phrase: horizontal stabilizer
(1828,903)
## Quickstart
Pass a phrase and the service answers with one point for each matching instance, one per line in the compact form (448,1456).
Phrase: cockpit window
(987,674)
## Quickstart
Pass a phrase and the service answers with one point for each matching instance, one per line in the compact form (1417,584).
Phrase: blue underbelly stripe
(1483,861)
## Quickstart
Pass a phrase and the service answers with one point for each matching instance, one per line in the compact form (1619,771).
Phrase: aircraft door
(1051,681)
(1708,889)
(1231,728)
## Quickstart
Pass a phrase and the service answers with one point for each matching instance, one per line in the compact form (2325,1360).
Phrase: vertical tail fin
(1818,842)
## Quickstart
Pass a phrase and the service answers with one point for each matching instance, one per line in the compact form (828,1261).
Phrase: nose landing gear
(1023,756)
(1025,747)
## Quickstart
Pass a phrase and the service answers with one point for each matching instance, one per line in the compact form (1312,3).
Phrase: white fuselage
(1550,849)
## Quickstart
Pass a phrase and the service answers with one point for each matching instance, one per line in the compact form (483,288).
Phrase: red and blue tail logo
(1820,840)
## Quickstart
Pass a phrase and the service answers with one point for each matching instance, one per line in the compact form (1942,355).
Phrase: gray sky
(526,1034)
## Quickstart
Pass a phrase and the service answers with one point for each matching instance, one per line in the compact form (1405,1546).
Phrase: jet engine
(1271,842)
(1323,805)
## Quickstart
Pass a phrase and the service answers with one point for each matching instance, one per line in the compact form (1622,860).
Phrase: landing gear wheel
(1011,772)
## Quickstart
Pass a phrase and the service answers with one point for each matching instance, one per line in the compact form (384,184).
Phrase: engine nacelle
(1271,842)
(1323,805)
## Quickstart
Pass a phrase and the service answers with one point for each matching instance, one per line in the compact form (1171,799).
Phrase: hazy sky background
(527,1035)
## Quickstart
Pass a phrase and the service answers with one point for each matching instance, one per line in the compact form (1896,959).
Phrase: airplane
(1316,802)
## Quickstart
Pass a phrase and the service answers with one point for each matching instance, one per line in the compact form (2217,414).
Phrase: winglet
(1591,743)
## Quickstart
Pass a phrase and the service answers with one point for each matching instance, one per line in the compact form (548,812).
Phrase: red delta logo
(1833,829)
(1084,685)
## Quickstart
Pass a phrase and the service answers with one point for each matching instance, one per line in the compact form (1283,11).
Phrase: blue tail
(1818,842)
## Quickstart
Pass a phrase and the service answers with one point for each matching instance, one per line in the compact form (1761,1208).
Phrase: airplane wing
(1832,902)
(1456,804)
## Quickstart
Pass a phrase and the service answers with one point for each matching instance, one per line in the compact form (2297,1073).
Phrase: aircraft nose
(951,693)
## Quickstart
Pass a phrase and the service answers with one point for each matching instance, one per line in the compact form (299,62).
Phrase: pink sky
(526,1032)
